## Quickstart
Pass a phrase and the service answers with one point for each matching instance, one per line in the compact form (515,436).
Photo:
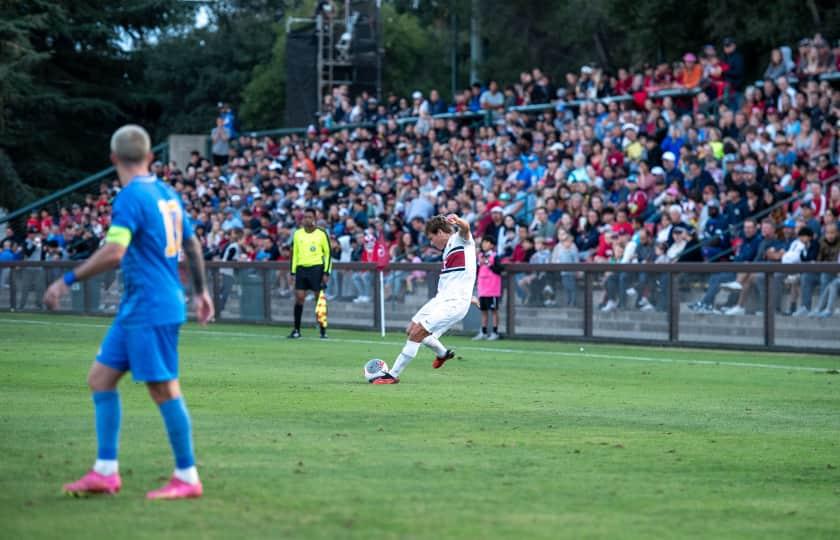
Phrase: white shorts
(439,315)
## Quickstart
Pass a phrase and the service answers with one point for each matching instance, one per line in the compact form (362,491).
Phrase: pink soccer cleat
(176,489)
(94,483)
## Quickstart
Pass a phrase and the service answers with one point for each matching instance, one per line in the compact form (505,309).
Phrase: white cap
(586,69)
(628,125)
(417,95)
(669,156)
(659,171)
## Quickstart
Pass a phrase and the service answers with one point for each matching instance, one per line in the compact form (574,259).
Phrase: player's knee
(417,334)
(162,392)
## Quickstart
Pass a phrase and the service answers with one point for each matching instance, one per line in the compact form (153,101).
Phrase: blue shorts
(149,352)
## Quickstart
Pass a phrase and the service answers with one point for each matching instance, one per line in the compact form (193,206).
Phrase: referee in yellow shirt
(311,265)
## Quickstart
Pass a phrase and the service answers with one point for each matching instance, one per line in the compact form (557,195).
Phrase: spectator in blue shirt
(747,252)
(436,105)
(672,173)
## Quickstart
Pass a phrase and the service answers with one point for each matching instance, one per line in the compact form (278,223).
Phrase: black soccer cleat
(295,334)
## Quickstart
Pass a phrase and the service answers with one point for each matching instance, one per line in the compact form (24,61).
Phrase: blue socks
(178,426)
(108,416)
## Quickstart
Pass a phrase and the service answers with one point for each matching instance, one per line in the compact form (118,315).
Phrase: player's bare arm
(463,226)
(106,258)
(203,303)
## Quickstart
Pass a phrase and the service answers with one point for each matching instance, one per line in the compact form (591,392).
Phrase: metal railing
(158,150)
(547,301)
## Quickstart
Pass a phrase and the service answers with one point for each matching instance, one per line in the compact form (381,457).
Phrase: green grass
(515,440)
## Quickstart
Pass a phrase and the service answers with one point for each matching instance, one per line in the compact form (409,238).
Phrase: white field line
(584,354)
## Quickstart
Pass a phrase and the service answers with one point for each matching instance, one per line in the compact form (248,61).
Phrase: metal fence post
(510,309)
(673,308)
(769,311)
(267,295)
(217,293)
(12,289)
(86,296)
(587,304)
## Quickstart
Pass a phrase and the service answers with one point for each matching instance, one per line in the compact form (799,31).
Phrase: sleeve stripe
(118,235)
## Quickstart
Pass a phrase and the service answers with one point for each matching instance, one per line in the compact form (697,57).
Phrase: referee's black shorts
(308,278)
(488,303)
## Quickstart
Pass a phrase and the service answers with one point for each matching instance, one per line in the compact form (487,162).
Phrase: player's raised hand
(204,308)
(54,293)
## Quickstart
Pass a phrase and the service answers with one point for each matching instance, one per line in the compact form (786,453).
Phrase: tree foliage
(70,72)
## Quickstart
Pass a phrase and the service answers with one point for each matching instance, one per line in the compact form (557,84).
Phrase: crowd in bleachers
(636,179)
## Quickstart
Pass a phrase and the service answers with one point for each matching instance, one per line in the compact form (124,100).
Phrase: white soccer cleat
(479,336)
(493,336)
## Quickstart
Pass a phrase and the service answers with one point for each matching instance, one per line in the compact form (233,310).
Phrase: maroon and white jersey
(457,277)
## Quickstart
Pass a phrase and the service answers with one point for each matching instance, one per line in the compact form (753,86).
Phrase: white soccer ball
(375,368)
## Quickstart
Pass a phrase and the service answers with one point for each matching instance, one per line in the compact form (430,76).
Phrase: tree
(68,80)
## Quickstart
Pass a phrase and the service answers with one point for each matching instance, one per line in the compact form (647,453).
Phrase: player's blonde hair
(437,223)
(131,144)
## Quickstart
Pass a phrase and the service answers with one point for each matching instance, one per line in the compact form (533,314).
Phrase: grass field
(514,440)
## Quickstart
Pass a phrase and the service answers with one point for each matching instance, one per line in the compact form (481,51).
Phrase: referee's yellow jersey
(311,249)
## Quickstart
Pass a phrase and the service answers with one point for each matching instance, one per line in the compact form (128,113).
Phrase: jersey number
(173,223)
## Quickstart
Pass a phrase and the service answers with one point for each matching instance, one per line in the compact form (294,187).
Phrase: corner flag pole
(382,303)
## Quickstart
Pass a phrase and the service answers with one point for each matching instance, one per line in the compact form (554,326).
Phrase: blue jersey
(153,213)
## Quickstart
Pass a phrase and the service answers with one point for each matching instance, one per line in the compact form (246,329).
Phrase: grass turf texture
(515,440)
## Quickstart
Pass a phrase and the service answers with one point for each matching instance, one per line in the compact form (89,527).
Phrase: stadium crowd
(605,171)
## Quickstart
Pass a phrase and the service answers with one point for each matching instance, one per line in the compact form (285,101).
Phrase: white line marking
(224,334)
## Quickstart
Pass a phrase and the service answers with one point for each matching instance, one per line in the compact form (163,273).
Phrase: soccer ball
(375,368)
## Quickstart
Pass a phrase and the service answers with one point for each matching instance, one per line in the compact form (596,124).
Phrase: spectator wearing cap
(735,209)
(692,72)
(672,172)
(633,149)
(735,71)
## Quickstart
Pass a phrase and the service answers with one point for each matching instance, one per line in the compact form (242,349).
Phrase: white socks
(434,343)
(405,357)
(106,467)
(188,475)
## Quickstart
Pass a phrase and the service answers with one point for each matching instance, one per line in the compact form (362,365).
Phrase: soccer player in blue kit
(149,229)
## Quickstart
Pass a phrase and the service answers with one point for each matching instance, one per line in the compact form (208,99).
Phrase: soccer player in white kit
(450,305)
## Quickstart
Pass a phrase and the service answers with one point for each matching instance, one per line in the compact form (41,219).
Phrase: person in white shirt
(450,305)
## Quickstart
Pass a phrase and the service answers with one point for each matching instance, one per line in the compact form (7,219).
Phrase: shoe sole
(84,494)
(194,496)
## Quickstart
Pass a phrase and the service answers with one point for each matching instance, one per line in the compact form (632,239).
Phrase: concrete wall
(180,147)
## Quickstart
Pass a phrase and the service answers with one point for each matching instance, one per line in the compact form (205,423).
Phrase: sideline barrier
(546,301)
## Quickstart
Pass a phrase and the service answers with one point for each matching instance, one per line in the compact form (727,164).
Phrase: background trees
(70,72)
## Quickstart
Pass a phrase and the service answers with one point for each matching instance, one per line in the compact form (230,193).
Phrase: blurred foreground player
(452,301)
(148,230)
